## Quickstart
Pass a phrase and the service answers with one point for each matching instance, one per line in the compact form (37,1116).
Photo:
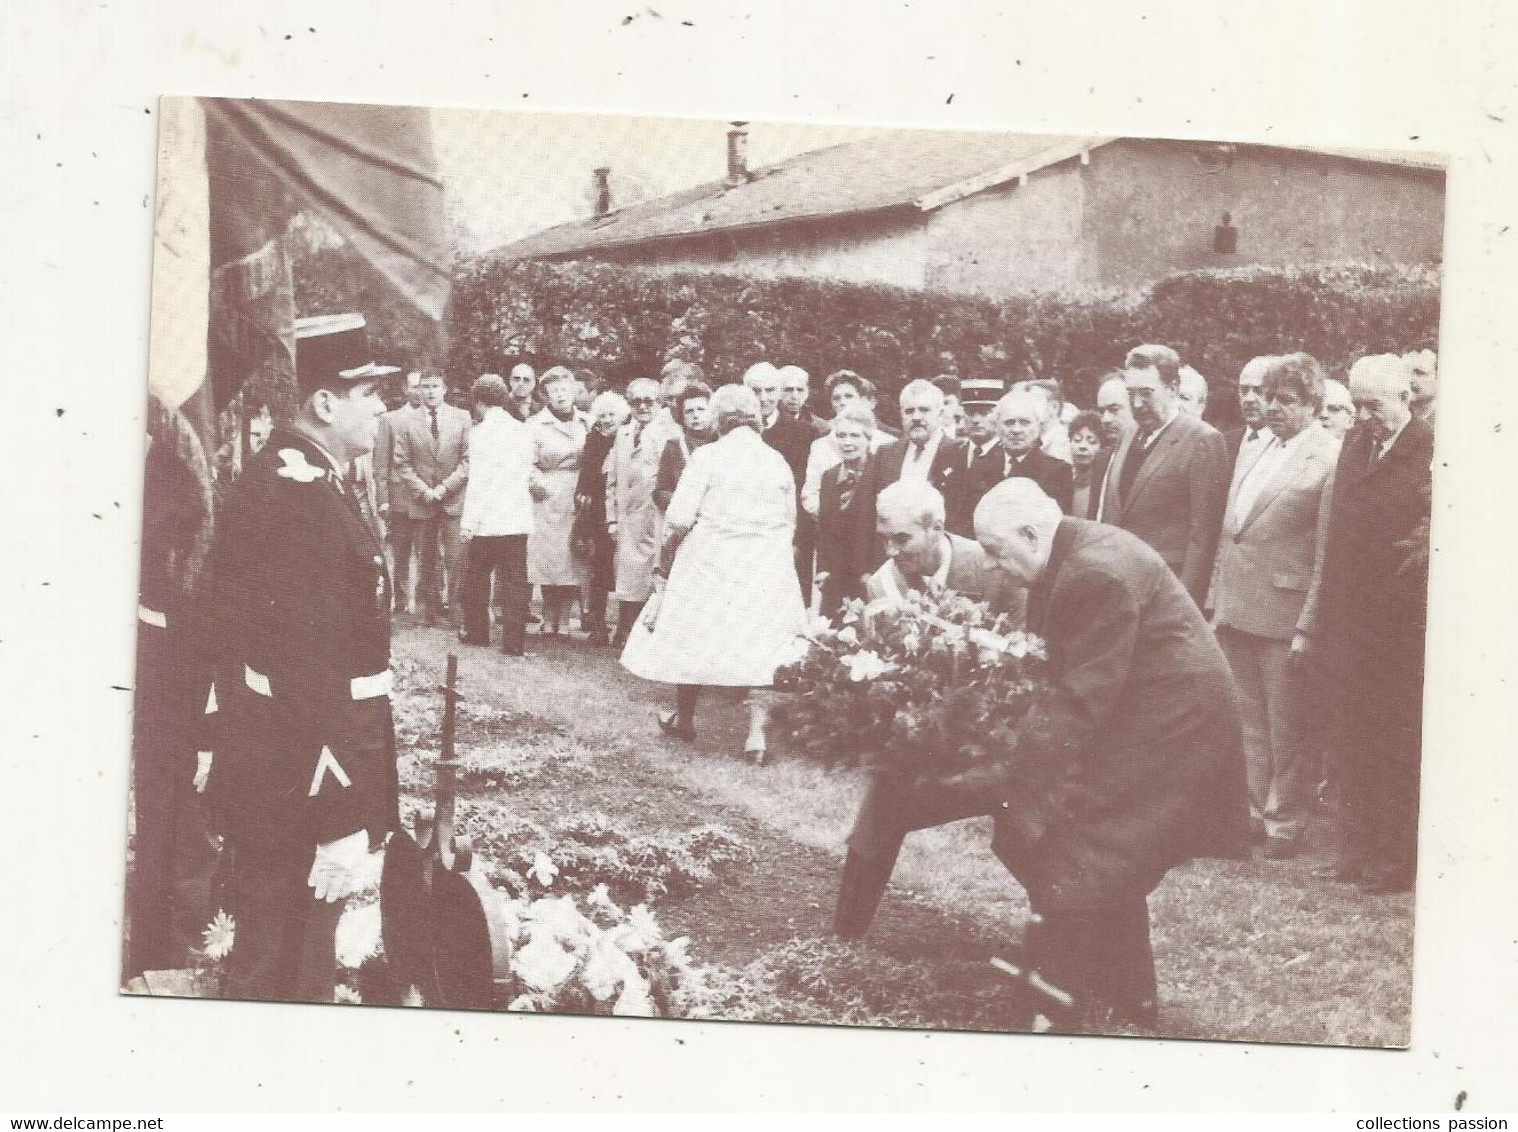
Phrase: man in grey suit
(1172,479)
(399,530)
(431,460)
(1265,595)
(910,518)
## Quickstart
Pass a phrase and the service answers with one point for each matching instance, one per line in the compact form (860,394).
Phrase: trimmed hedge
(623,322)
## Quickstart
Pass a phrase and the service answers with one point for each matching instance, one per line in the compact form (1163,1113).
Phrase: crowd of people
(1260,590)
(1289,533)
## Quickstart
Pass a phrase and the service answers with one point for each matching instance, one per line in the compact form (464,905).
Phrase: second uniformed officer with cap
(303,782)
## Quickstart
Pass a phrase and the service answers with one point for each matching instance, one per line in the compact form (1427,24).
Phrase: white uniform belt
(151,617)
(359,688)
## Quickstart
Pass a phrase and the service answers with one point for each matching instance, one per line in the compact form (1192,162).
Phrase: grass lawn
(561,746)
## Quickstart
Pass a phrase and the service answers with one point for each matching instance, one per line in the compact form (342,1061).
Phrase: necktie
(433,411)
(1251,435)
(637,436)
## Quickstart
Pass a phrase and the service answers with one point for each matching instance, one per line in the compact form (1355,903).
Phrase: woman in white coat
(730,611)
(558,437)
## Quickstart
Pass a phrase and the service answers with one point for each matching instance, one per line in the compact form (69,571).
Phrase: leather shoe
(1280,849)
(670,724)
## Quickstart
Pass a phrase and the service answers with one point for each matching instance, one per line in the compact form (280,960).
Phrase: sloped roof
(891,170)
(901,169)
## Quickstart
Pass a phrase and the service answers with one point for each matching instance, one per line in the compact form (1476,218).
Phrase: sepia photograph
(722,570)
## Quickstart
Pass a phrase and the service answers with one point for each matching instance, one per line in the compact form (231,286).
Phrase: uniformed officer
(304,780)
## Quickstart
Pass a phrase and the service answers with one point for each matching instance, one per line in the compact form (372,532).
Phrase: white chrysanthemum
(634,1001)
(543,869)
(358,935)
(607,970)
(542,964)
(865,665)
(220,935)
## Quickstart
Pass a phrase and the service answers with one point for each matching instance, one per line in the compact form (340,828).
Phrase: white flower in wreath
(635,1001)
(358,936)
(294,466)
(865,665)
(607,970)
(542,964)
(543,869)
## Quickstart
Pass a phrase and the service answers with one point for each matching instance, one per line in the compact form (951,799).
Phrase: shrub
(625,322)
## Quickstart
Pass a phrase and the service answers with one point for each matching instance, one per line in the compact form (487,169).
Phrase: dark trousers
(806,553)
(1379,779)
(170,887)
(1101,957)
(893,806)
(504,558)
(286,944)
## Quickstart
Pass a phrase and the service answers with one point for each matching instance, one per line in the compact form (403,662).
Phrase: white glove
(338,865)
(202,770)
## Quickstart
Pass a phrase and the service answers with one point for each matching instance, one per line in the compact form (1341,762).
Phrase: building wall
(1139,211)
(1152,207)
(1014,238)
(883,250)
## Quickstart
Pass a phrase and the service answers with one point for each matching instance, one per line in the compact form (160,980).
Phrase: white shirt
(1261,472)
(823,455)
(496,499)
(915,465)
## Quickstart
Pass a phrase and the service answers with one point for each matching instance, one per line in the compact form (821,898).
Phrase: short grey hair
(1015,503)
(759,370)
(610,399)
(1032,396)
(924,386)
(1382,373)
(917,498)
(734,406)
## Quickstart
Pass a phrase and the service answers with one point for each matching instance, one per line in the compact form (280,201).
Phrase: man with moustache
(923,454)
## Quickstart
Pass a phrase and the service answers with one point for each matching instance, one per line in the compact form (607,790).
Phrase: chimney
(737,154)
(601,191)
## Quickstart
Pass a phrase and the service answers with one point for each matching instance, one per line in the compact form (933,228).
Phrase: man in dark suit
(303,781)
(1132,766)
(1173,479)
(922,555)
(1372,614)
(1020,423)
(1117,431)
(432,461)
(793,440)
(1264,595)
(924,454)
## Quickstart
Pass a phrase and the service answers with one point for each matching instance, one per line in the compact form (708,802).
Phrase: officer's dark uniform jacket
(300,620)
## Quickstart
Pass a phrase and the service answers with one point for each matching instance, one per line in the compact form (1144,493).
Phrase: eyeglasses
(640,402)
